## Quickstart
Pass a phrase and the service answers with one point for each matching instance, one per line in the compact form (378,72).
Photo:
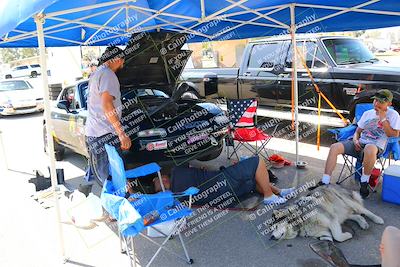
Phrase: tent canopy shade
(104,22)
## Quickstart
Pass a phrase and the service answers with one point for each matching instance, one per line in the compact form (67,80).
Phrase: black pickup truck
(343,67)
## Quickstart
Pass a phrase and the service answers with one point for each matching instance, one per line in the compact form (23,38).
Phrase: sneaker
(286,191)
(274,199)
(364,191)
(320,183)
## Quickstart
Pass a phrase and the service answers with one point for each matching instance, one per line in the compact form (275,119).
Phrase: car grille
(24,108)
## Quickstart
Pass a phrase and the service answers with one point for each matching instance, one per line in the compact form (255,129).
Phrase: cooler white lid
(392,170)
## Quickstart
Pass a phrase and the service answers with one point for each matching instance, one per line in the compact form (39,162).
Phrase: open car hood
(154,60)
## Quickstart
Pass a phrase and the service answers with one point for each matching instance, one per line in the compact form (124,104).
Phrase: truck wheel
(8,76)
(59,150)
(99,181)
(34,74)
(191,94)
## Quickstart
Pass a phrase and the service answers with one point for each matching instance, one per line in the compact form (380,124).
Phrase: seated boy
(369,140)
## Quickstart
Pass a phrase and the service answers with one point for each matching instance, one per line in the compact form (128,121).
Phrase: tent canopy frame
(118,6)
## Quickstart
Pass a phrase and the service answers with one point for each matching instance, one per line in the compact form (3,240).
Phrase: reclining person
(240,179)
(369,140)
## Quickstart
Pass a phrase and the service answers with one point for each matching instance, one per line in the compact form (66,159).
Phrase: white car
(19,97)
(24,71)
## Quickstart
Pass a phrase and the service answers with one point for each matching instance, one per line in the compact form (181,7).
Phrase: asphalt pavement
(28,233)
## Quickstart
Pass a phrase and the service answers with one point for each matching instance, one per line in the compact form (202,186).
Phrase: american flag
(242,112)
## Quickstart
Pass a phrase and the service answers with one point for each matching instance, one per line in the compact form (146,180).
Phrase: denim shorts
(98,159)
(350,149)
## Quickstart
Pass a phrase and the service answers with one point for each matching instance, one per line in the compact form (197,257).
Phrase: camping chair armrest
(142,170)
(159,195)
(344,133)
(394,139)
(188,192)
(168,194)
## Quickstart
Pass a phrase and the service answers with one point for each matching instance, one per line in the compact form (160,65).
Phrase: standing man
(103,124)
(369,140)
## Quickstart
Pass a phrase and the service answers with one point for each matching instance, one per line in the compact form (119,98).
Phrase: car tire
(97,178)
(215,154)
(33,74)
(59,150)
(8,76)
(191,94)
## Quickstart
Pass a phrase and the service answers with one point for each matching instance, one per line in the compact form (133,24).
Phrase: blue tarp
(69,23)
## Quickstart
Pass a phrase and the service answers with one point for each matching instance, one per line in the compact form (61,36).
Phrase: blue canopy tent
(55,23)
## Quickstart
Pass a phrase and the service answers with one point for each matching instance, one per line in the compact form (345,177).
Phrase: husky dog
(320,215)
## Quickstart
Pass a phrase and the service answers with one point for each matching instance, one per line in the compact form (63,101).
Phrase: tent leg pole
(39,20)
(294,66)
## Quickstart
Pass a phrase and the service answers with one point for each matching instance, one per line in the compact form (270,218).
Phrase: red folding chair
(243,128)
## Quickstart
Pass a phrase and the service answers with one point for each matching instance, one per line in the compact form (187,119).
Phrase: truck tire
(99,181)
(59,150)
(33,74)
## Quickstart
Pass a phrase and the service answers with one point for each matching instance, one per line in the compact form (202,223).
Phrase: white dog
(320,214)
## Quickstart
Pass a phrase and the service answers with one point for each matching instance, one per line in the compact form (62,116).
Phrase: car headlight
(6,104)
(153,132)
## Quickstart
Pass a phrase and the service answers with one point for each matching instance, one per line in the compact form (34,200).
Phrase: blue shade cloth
(86,29)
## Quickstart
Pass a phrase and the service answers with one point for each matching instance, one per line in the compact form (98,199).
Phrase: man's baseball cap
(383,95)
(111,52)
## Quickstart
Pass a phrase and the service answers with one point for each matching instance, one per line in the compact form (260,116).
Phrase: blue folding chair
(392,149)
(130,215)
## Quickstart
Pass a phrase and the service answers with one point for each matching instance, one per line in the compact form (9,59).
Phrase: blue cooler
(391,185)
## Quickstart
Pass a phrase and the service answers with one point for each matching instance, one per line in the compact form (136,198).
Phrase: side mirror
(63,104)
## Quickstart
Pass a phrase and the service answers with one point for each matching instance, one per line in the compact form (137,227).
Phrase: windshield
(14,85)
(348,51)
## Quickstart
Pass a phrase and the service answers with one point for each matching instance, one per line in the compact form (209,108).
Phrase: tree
(11,54)
(29,52)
